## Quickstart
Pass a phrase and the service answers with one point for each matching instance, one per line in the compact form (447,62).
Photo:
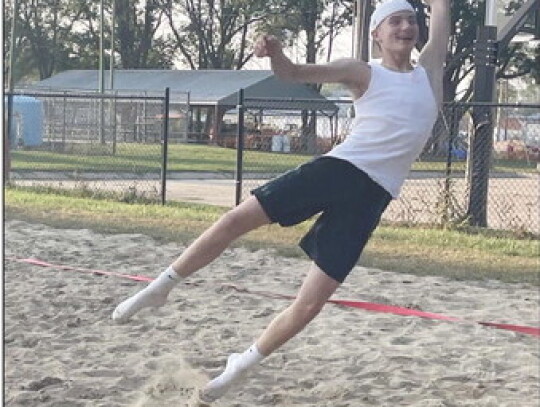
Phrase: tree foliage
(44,36)
(520,59)
(138,43)
(215,34)
(467,15)
(314,24)
(54,35)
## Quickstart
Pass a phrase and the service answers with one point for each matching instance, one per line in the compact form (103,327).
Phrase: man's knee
(236,222)
(231,222)
(306,311)
(242,219)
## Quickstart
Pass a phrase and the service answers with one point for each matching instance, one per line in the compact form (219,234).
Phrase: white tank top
(393,120)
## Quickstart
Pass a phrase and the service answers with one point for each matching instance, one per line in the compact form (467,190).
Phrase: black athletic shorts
(351,205)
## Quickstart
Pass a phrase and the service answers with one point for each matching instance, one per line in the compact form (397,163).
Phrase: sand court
(62,348)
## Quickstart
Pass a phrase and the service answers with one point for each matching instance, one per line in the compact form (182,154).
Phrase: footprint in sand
(175,384)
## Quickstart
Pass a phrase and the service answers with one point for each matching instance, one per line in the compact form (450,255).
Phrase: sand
(62,349)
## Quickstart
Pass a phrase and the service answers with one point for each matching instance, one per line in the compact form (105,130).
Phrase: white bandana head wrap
(384,10)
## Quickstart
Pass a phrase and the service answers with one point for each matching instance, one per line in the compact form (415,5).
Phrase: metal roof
(206,87)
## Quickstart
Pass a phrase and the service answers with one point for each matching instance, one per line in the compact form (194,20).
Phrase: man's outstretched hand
(267,46)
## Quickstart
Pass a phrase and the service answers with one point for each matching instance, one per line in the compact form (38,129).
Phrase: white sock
(153,295)
(237,367)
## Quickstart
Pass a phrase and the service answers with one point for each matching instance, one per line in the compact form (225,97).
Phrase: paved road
(513,202)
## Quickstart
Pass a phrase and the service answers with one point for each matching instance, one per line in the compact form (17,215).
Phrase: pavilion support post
(239,149)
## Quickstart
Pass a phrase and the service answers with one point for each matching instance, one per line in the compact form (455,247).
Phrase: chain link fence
(107,144)
(480,166)
(502,172)
(277,139)
(490,174)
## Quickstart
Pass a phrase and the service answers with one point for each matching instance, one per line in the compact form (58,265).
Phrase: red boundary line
(369,306)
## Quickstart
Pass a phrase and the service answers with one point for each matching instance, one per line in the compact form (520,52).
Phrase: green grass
(421,251)
(146,158)
(141,158)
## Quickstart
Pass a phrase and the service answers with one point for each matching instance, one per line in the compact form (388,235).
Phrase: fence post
(7,139)
(64,103)
(164,147)
(448,172)
(485,57)
(189,116)
(113,120)
(239,148)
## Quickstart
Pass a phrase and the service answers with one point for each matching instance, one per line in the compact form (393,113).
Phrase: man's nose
(406,24)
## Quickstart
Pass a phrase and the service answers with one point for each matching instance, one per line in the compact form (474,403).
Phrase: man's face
(397,32)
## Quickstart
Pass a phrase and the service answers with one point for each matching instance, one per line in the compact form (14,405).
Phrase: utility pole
(101,79)
(111,65)
(101,75)
(112,102)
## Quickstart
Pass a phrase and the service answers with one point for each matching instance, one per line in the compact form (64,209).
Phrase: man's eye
(396,20)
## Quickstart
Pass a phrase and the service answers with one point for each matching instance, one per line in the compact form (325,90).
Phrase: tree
(317,23)
(214,34)
(466,17)
(54,35)
(139,44)
(210,34)
(21,64)
(519,59)
(313,23)
(43,36)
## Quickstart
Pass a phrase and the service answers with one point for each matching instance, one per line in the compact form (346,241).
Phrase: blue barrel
(26,122)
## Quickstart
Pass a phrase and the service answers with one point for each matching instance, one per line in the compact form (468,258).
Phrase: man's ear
(375,48)
(375,34)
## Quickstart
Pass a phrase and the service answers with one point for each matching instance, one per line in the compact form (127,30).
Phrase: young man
(396,106)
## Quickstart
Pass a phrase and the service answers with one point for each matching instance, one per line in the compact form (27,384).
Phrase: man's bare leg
(316,289)
(247,216)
